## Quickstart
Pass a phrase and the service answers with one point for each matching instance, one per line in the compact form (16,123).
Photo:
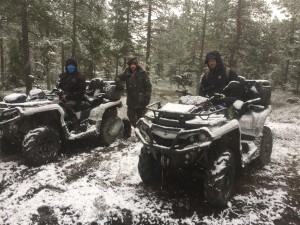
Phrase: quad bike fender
(97,113)
(219,132)
(20,113)
(47,108)
(252,123)
(229,136)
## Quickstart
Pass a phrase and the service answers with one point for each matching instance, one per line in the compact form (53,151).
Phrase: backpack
(227,73)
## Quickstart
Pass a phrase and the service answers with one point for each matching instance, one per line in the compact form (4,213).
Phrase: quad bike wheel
(7,147)
(111,129)
(148,167)
(266,146)
(41,145)
(219,179)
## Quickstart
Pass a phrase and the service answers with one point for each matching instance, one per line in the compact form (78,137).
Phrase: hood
(71,62)
(132,60)
(139,69)
(214,55)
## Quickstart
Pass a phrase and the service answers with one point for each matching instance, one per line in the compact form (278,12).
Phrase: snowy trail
(102,185)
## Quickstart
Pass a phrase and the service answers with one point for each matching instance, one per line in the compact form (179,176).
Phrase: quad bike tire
(41,146)
(219,179)
(111,129)
(7,147)
(148,167)
(266,146)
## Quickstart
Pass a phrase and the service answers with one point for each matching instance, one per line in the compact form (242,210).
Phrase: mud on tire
(266,146)
(111,129)
(148,167)
(219,179)
(41,145)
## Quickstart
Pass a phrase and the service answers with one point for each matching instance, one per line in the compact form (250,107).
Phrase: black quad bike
(212,137)
(38,125)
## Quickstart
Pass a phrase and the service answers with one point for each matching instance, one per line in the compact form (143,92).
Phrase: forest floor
(101,185)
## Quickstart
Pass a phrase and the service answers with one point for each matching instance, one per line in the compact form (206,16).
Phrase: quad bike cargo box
(97,85)
(112,93)
(258,89)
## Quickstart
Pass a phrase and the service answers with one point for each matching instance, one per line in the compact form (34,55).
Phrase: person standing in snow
(218,76)
(138,88)
(73,85)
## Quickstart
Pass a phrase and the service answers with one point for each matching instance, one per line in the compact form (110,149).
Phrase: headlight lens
(202,137)
(144,127)
(9,114)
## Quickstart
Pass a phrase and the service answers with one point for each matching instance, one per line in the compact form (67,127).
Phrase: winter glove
(147,100)
(119,86)
(221,106)
(64,98)
(144,100)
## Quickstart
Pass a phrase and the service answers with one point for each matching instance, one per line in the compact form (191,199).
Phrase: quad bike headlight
(144,127)
(192,139)
(202,137)
(10,114)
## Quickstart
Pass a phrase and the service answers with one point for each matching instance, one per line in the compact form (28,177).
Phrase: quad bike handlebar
(56,91)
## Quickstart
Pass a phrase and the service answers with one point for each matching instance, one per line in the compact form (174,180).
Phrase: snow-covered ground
(102,186)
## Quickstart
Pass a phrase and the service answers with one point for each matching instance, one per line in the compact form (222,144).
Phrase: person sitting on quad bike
(218,76)
(73,85)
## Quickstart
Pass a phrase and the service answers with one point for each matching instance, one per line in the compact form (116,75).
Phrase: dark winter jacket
(73,84)
(215,80)
(138,87)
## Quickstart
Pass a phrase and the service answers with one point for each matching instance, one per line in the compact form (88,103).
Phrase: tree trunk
(47,58)
(117,66)
(298,82)
(202,46)
(62,53)
(74,29)
(148,36)
(126,36)
(285,74)
(62,57)
(2,61)
(291,42)
(236,45)
(25,47)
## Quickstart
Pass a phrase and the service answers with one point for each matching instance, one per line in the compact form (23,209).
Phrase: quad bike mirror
(178,79)
(31,78)
(56,91)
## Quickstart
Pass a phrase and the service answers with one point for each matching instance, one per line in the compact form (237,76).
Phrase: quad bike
(212,137)
(37,125)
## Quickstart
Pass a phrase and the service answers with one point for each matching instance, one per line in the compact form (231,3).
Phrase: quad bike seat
(87,103)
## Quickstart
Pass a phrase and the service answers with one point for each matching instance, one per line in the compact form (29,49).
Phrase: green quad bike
(212,137)
(38,126)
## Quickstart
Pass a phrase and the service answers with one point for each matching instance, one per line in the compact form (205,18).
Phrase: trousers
(135,114)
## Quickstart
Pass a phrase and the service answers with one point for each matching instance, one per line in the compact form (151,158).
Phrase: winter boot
(127,129)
